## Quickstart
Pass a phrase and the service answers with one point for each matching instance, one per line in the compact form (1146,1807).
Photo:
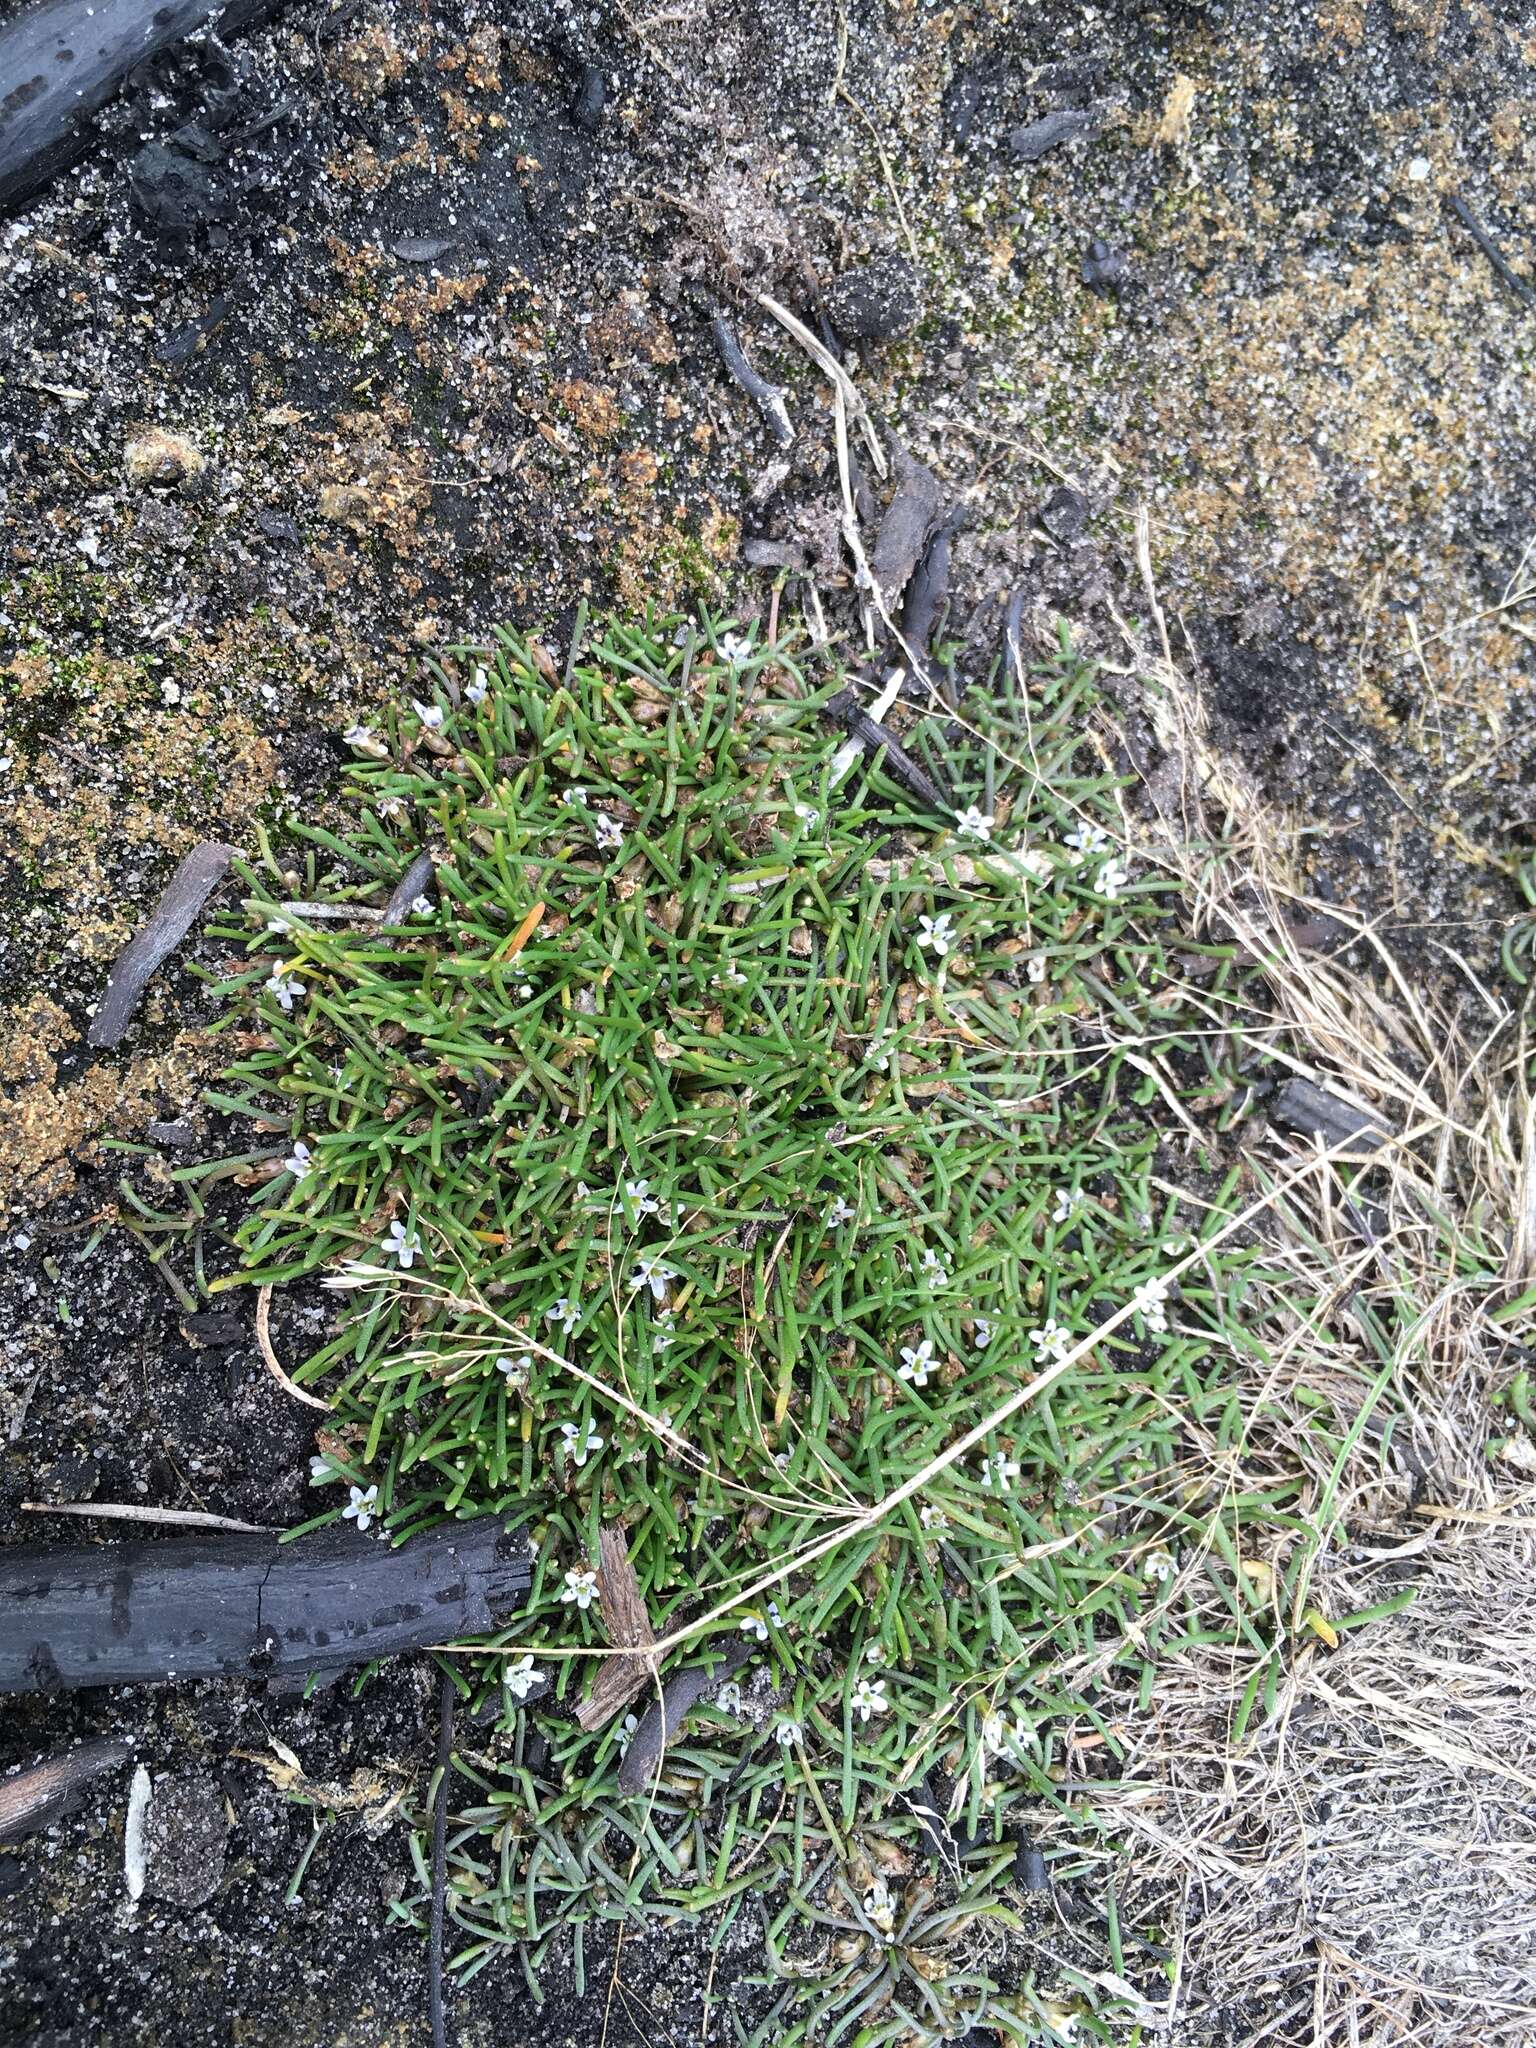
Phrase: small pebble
(157,457)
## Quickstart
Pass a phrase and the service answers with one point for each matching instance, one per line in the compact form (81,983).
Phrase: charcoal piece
(1302,1106)
(1027,145)
(232,1606)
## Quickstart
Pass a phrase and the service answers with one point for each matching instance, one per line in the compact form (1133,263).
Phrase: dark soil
(431,330)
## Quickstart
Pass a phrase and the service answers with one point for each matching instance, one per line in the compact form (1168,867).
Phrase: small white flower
(515,1371)
(932,1518)
(299,1162)
(841,1212)
(1150,1302)
(280,924)
(575,794)
(753,1624)
(401,1244)
(868,1697)
(936,934)
(580,1587)
(874,1653)
(608,832)
(626,1732)
(999,1472)
(1034,966)
(994,1731)
(1068,1202)
(982,1332)
(1087,842)
(431,715)
(282,989)
(366,740)
(880,1906)
(781,1461)
(477,686)
(934,1270)
(735,648)
(1051,1340)
(916,1365)
(361,1506)
(651,1272)
(1113,877)
(1159,1565)
(807,814)
(581,1443)
(731,978)
(975,823)
(322,1472)
(565,1313)
(728,1698)
(420,906)
(391,807)
(786,1733)
(520,1678)
(662,1332)
(879,1054)
(638,1194)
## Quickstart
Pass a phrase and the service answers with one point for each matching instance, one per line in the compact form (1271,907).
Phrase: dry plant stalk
(629,1627)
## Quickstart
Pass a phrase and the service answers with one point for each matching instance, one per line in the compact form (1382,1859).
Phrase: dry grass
(1353,1859)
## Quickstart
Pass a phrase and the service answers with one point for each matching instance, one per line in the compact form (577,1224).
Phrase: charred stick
(245,1606)
(662,1719)
(768,398)
(412,883)
(36,1797)
(1302,1106)
(169,922)
(899,764)
(440,1865)
(909,519)
(1521,287)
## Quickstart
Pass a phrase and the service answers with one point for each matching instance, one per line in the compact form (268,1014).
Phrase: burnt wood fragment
(246,1606)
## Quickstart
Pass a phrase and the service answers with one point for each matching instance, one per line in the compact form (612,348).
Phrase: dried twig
(127,1511)
(825,361)
(269,1356)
